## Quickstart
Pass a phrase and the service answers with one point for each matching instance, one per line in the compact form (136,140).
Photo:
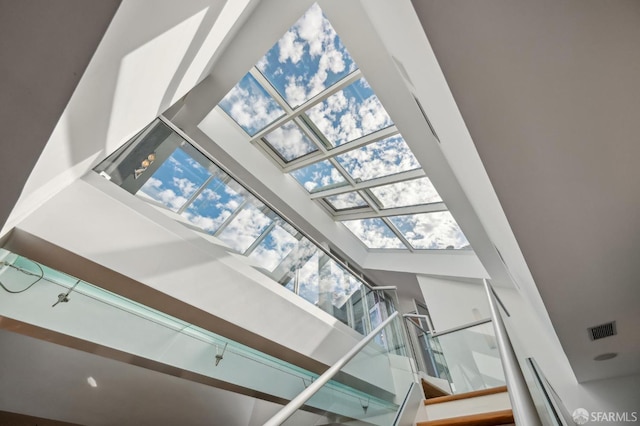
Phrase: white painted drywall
(153,52)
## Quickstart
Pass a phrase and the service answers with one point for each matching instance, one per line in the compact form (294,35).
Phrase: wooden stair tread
(492,418)
(432,391)
(455,397)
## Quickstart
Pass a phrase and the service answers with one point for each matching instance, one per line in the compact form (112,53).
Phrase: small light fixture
(144,164)
(219,353)
(92,382)
(365,405)
(604,357)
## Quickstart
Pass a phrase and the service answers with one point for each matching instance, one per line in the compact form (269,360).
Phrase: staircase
(487,407)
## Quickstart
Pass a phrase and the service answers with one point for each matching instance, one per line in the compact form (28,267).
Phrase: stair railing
(297,402)
(524,410)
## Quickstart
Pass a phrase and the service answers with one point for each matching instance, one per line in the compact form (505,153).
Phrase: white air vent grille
(602,331)
(424,114)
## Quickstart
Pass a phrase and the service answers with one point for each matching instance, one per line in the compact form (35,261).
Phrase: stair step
(493,418)
(456,397)
(432,391)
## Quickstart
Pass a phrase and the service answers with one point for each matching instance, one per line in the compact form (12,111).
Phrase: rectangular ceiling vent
(403,71)
(602,331)
(424,114)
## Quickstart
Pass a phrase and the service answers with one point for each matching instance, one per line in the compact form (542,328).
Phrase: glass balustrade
(162,168)
(383,361)
(468,358)
(369,387)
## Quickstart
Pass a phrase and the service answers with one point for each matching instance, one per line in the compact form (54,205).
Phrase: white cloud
(431,230)
(282,244)
(372,233)
(354,118)
(245,227)
(383,158)
(186,187)
(290,142)
(289,48)
(250,107)
(295,91)
(347,200)
(316,34)
(408,193)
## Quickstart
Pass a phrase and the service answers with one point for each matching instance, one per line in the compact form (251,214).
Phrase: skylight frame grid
(398,234)
(438,234)
(318,154)
(350,78)
(366,206)
(396,211)
(385,180)
(371,231)
(344,148)
(329,151)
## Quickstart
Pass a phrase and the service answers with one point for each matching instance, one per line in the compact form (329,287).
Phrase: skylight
(310,108)
(309,58)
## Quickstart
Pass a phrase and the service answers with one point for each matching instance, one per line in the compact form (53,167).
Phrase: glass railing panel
(468,358)
(382,363)
(109,320)
(166,170)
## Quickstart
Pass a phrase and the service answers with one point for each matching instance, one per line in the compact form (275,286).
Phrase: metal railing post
(524,411)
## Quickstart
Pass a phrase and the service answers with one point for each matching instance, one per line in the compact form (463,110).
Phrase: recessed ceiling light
(92,382)
(604,357)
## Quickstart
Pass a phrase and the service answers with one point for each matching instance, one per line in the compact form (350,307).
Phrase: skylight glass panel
(175,181)
(349,114)
(249,104)
(406,193)
(215,204)
(317,176)
(345,201)
(290,142)
(437,230)
(276,245)
(383,158)
(374,233)
(245,228)
(309,58)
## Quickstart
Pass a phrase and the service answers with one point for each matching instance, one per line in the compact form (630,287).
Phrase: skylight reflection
(277,244)
(215,204)
(245,228)
(175,181)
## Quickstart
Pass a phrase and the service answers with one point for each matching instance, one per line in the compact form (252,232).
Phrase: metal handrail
(524,409)
(461,327)
(297,402)
(434,333)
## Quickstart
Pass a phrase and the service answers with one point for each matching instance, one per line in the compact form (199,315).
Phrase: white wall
(452,302)
(153,52)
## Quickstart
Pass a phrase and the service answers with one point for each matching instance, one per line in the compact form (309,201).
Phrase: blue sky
(175,180)
(307,59)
